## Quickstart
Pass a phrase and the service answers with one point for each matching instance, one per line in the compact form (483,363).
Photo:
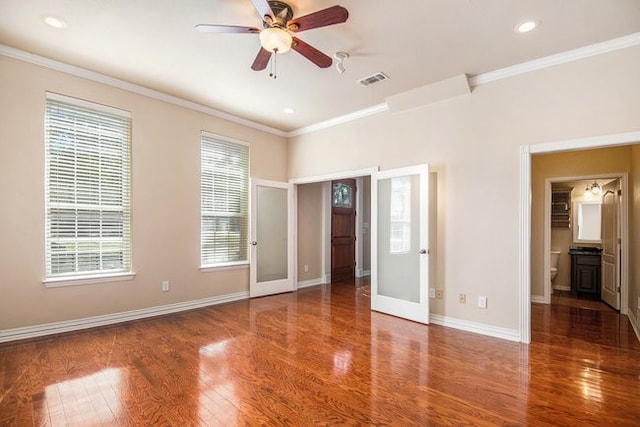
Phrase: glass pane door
(271,238)
(400,259)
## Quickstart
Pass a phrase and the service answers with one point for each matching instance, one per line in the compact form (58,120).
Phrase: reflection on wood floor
(590,302)
(321,357)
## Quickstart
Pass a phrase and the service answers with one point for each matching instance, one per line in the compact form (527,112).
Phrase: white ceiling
(153,43)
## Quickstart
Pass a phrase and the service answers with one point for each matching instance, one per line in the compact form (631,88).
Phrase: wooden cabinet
(561,207)
(585,273)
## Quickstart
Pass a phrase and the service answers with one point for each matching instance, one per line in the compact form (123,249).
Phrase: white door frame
(524,249)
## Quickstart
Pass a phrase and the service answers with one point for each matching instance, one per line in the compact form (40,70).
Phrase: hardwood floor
(321,357)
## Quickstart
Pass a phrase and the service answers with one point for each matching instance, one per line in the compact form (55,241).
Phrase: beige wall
(473,144)
(563,165)
(165,200)
(310,231)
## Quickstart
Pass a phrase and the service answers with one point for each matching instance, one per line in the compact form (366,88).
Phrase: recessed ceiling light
(54,22)
(526,26)
(289,110)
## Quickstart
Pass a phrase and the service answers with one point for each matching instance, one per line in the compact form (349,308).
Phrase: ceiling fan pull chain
(274,65)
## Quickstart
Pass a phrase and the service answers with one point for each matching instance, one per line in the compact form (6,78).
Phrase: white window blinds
(224,193)
(87,188)
(400,241)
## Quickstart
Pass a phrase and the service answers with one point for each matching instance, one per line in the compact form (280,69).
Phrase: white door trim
(524,251)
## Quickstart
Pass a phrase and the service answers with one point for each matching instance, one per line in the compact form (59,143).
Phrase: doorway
(528,248)
(583,251)
(313,242)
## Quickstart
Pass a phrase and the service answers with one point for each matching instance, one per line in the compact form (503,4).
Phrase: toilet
(555,256)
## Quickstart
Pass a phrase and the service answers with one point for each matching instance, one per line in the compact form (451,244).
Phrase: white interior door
(611,244)
(271,265)
(399,239)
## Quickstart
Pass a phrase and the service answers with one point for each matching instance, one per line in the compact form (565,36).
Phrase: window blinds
(224,192)
(87,187)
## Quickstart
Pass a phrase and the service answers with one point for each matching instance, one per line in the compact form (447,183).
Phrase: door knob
(254,243)
(423,251)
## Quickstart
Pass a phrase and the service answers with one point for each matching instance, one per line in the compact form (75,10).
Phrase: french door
(271,251)
(399,242)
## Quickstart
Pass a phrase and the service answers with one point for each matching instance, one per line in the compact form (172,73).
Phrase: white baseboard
(109,319)
(363,273)
(562,288)
(478,328)
(539,299)
(309,283)
(635,323)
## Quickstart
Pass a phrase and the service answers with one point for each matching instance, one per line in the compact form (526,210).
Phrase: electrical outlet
(438,293)
(482,302)
(462,298)
(306,268)
(165,286)
(432,292)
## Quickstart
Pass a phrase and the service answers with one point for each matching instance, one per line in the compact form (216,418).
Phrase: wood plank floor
(320,357)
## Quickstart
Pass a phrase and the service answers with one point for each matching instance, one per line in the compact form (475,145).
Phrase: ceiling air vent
(375,78)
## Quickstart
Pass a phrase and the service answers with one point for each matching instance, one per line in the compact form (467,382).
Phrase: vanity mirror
(586,220)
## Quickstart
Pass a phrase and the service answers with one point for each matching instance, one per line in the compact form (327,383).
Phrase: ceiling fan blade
(321,18)
(262,60)
(311,53)
(226,29)
(263,8)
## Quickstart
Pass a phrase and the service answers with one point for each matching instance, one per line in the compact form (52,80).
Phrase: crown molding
(477,80)
(375,109)
(130,87)
(492,76)
(557,59)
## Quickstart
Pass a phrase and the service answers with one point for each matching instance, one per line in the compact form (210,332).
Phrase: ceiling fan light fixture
(275,39)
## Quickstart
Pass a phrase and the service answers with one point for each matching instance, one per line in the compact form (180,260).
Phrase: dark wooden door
(343,229)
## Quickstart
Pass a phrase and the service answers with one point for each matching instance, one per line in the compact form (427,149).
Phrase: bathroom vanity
(585,270)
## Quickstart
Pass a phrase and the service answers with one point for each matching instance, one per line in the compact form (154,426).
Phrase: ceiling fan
(279,28)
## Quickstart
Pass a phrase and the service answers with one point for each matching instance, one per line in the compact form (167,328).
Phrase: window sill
(223,267)
(87,280)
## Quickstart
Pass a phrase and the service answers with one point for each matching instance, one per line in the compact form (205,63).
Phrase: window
(224,194)
(87,186)
(400,215)
(342,196)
